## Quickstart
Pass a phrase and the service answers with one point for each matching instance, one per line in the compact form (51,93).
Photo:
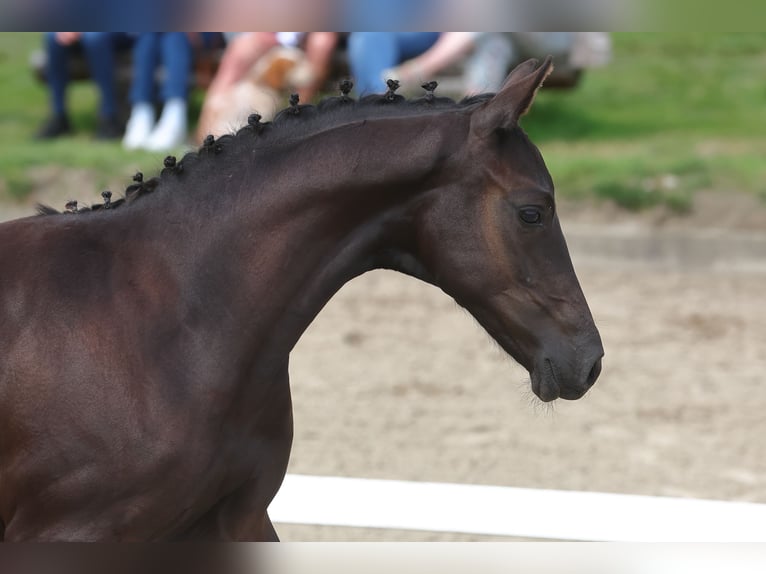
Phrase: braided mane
(295,121)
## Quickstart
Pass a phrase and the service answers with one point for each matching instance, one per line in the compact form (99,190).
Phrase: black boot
(108,128)
(54,127)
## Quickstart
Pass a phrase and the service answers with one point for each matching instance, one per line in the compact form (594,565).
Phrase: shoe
(54,127)
(139,126)
(108,129)
(170,131)
(166,139)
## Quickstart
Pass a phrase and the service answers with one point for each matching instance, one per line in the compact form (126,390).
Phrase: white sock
(139,126)
(170,131)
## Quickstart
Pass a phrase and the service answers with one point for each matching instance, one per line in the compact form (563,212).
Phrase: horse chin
(544,385)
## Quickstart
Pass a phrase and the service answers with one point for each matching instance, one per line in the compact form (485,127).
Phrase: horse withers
(144,342)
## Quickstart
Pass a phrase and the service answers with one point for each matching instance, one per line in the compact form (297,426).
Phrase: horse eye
(530,215)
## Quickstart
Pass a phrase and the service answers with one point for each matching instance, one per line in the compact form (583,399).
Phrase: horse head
(491,239)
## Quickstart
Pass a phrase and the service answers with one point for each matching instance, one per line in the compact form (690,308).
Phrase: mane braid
(296,120)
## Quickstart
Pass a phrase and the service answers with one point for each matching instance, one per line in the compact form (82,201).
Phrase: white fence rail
(516,512)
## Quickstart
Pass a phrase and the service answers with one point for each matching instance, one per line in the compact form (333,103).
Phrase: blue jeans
(99,49)
(173,51)
(497,53)
(370,53)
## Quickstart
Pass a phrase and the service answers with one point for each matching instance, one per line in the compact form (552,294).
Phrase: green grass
(671,115)
(24,107)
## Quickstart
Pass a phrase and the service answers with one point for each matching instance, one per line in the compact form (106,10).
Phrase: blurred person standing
(99,49)
(173,52)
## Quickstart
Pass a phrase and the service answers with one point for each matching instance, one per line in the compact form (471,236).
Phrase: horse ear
(514,99)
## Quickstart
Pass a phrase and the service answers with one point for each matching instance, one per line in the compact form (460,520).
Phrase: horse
(145,341)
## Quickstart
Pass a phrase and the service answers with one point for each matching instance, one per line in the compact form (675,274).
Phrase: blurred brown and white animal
(282,69)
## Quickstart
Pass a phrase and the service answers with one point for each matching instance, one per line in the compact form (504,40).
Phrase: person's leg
(58,78)
(141,122)
(486,69)
(99,49)
(145,60)
(411,44)
(176,53)
(176,57)
(371,53)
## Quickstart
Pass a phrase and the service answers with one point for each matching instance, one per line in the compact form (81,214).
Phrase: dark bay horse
(144,344)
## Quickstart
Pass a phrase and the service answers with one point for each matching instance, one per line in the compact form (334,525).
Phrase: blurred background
(656,143)
(659,125)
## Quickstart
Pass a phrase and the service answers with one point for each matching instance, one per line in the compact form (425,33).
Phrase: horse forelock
(292,123)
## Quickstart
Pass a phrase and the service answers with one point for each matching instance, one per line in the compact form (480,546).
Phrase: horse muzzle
(550,382)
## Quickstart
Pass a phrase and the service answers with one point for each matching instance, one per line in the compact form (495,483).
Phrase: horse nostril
(594,372)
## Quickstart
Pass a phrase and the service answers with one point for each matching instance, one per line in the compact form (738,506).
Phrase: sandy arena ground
(394,380)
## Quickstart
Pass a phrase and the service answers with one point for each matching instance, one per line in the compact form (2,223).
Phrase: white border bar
(517,512)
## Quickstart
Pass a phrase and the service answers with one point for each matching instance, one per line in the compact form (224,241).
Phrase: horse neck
(297,227)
